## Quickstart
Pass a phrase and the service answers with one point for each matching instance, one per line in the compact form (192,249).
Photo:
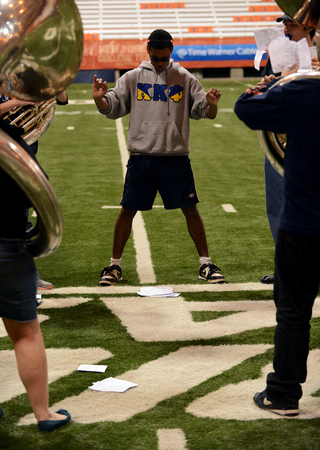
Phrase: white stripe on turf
(118,289)
(228,208)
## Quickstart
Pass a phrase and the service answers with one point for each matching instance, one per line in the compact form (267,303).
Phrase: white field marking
(217,125)
(61,362)
(171,439)
(118,289)
(68,113)
(118,207)
(229,208)
(176,377)
(122,145)
(158,319)
(157,380)
(81,102)
(225,110)
(165,319)
(145,269)
(234,401)
(34,214)
(75,113)
(62,302)
(70,128)
(140,239)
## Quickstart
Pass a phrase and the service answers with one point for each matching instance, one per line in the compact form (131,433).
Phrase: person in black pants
(297,264)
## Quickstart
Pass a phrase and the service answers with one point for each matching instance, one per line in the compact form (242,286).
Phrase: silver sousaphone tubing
(307,13)
(41,44)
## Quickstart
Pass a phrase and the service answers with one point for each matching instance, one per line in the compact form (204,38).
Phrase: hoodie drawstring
(168,112)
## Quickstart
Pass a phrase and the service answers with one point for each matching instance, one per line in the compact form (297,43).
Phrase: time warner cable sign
(214,52)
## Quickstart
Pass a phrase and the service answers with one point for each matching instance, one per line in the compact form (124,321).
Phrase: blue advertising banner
(214,52)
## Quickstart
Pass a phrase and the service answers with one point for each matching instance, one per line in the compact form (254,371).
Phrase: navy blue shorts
(172,176)
(18,282)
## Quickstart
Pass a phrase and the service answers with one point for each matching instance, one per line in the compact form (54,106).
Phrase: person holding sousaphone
(273,180)
(47,70)
(291,106)
(12,108)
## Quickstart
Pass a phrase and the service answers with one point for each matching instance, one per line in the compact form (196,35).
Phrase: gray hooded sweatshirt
(160,105)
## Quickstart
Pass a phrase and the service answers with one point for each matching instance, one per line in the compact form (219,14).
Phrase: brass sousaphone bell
(32,119)
(307,13)
(41,44)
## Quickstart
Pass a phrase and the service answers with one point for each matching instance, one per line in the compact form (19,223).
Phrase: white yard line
(140,239)
(118,289)
(228,208)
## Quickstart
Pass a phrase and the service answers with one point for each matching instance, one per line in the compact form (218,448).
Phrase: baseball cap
(284,17)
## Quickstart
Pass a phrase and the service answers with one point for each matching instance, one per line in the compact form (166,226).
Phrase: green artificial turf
(84,168)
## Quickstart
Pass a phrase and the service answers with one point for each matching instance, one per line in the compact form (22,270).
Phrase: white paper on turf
(92,368)
(112,385)
(157,291)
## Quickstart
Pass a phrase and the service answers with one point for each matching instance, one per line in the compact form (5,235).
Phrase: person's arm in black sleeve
(62,98)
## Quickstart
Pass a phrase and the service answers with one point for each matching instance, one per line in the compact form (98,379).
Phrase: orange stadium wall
(190,53)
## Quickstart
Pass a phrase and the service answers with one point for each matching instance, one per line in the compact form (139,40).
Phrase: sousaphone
(33,120)
(41,44)
(307,13)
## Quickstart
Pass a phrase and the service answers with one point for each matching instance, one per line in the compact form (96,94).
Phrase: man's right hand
(266,79)
(99,88)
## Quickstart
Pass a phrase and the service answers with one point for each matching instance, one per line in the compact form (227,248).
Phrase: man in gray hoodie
(161,97)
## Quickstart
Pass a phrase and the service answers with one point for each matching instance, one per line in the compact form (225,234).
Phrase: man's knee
(191,211)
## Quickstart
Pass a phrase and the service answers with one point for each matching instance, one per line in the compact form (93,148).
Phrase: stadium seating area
(133,19)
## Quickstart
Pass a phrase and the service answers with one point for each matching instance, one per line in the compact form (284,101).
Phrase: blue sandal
(50,425)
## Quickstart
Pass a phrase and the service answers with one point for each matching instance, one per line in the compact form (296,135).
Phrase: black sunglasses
(157,59)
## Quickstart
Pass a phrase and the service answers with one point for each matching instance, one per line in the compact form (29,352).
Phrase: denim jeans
(18,281)
(274,196)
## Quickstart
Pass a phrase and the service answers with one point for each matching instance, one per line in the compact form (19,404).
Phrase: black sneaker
(261,400)
(267,279)
(110,275)
(211,273)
